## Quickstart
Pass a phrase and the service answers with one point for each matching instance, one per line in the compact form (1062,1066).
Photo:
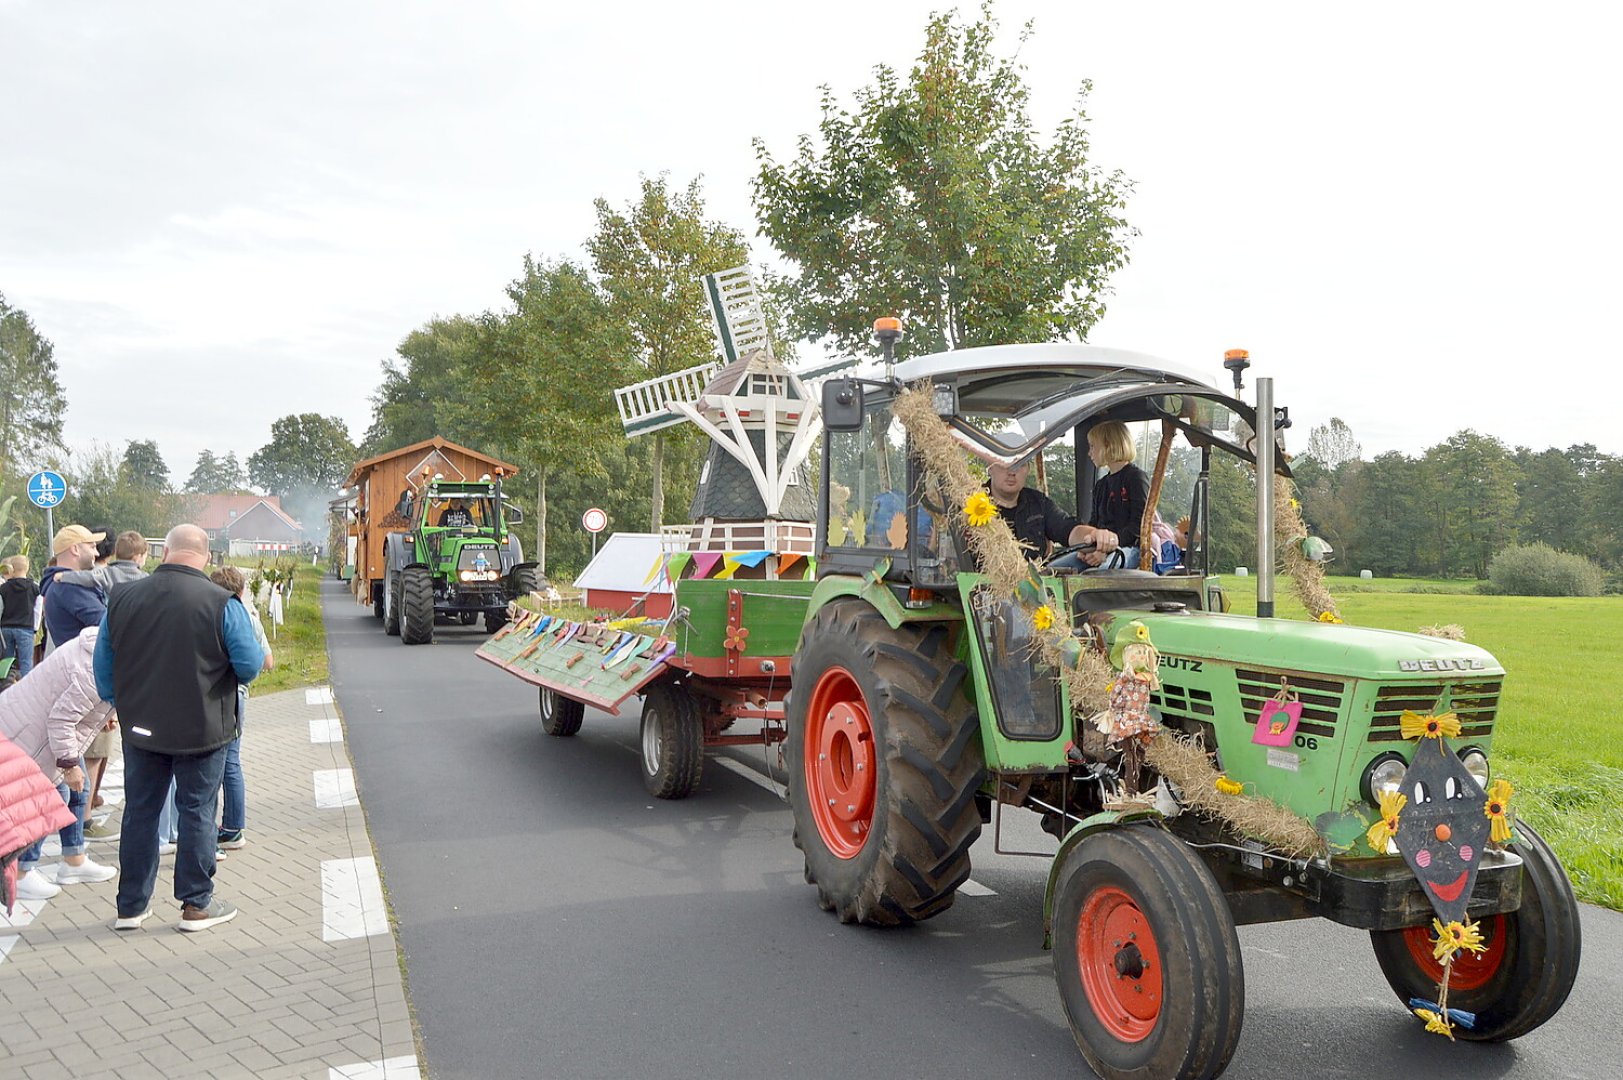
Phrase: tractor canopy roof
(1009,401)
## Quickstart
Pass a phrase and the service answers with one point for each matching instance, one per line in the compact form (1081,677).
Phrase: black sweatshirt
(1118,503)
(17,603)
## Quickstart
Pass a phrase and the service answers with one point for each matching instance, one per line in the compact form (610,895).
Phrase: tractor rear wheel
(560,716)
(416,606)
(391,605)
(1146,957)
(1522,977)
(885,759)
(672,742)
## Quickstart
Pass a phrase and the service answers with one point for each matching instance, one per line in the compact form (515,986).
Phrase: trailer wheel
(494,621)
(1146,957)
(672,742)
(1523,976)
(467,618)
(884,761)
(378,601)
(390,591)
(416,606)
(560,716)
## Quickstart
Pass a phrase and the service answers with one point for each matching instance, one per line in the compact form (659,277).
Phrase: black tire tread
(566,717)
(416,606)
(681,744)
(925,820)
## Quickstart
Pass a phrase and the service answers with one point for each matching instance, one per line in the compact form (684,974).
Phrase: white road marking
(752,775)
(396,1068)
(328,730)
(24,913)
(335,788)
(351,900)
(971,887)
(5,945)
(319,695)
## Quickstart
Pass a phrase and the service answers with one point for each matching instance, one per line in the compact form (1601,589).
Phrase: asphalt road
(557,922)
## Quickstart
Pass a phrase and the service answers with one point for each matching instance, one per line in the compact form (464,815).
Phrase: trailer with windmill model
(742,566)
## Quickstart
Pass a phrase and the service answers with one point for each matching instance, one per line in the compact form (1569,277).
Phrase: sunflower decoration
(1381,833)
(1329,617)
(979,509)
(1043,617)
(1497,810)
(1228,787)
(1443,726)
(1455,937)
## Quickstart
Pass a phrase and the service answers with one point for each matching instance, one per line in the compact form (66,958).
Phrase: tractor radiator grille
(1183,702)
(1320,698)
(1475,703)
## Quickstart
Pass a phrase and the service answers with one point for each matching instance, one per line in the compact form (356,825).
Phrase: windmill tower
(762,420)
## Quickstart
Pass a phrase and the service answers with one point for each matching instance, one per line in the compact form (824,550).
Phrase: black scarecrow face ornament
(1442,830)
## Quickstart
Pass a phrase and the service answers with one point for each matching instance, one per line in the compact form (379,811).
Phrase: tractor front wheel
(391,605)
(672,742)
(416,606)
(560,716)
(885,759)
(467,618)
(522,582)
(379,604)
(1522,976)
(1146,957)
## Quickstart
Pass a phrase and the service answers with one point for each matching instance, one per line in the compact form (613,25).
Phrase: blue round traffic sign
(47,488)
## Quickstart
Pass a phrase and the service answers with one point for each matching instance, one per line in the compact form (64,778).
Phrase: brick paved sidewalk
(305,982)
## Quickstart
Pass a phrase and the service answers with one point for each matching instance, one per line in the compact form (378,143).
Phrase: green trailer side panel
(773,612)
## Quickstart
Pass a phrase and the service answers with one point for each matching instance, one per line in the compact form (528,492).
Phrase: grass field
(300,644)
(1559,736)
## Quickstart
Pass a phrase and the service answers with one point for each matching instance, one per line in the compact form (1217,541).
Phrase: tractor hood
(1328,648)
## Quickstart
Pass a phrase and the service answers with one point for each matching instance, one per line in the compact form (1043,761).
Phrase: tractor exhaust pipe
(1266,445)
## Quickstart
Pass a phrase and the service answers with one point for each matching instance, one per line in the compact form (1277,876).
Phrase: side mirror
(515,516)
(842,405)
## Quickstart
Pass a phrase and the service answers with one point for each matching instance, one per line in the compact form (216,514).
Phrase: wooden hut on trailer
(385,486)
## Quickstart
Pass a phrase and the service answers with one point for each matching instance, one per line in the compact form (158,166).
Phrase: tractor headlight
(1476,763)
(466,575)
(1383,775)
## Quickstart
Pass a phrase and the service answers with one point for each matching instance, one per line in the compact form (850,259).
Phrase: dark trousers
(197,792)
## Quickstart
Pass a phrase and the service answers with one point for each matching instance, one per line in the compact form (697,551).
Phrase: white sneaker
(33,886)
(87,871)
(166,848)
(132,922)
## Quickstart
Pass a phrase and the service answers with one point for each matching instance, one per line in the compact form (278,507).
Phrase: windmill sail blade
(647,406)
(735,311)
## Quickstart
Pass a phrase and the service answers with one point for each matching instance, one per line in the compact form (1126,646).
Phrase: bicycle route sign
(47,489)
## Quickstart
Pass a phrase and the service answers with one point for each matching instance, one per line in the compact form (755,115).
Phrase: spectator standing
(172,652)
(234,797)
(73,607)
(122,564)
(17,595)
(52,716)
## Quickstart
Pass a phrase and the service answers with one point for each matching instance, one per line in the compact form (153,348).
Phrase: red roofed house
(247,524)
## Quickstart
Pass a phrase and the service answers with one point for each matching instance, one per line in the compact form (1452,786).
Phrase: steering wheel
(1074,549)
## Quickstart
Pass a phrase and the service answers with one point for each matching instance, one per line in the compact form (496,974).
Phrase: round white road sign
(594,520)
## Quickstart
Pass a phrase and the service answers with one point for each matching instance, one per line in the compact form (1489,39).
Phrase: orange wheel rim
(1120,963)
(1472,971)
(839,763)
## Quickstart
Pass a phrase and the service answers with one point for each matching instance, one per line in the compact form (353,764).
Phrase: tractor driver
(456,515)
(1034,517)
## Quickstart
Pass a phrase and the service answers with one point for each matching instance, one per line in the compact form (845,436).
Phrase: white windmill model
(762,421)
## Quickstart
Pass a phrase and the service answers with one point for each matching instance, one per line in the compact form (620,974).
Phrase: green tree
(31,399)
(102,492)
(144,465)
(1333,444)
(307,452)
(649,258)
(1474,481)
(543,379)
(933,199)
(425,389)
(213,475)
(1389,504)
(1603,512)
(1550,505)
(1232,495)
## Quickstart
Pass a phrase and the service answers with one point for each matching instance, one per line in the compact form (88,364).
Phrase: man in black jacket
(173,649)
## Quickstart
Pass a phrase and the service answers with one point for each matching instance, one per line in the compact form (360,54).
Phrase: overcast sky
(224,213)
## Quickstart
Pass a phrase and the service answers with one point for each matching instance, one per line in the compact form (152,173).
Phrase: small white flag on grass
(276,607)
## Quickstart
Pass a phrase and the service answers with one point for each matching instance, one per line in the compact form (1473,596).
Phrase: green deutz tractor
(920,710)
(459,561)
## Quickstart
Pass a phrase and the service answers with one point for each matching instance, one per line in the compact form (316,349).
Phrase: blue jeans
(146,786)
(72,835)
(19,642)
(234,812)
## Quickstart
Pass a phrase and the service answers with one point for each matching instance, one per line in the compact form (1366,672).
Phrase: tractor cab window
(867,474)
(455,513)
